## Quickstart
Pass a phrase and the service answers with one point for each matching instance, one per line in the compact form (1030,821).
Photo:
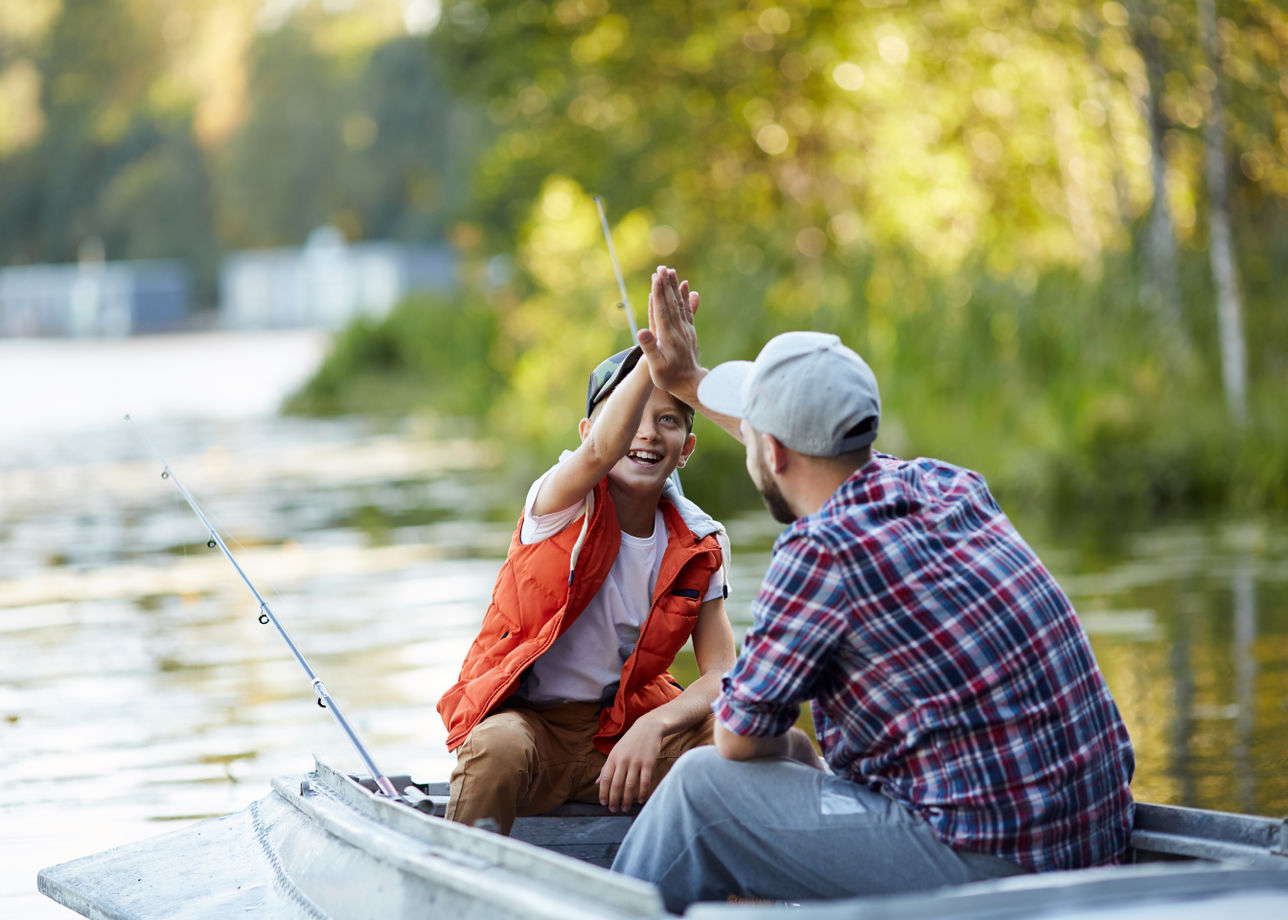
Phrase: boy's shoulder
(700,523)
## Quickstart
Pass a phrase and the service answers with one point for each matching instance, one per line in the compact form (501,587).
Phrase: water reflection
(1207,699)
(137,687)
(1245,678)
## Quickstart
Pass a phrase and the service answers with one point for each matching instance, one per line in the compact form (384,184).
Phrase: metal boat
(328,845)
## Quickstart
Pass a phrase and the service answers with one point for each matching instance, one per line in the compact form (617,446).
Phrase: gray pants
(776,829)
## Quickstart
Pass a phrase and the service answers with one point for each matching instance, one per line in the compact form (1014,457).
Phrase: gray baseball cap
(807,389)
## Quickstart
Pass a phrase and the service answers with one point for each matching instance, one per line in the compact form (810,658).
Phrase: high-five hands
(671,340)
(671,344)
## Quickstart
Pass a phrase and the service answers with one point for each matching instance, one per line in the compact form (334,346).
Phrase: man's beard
(779,510)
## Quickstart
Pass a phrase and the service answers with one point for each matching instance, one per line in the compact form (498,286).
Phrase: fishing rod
(626,304)
(621,284)
(266,617)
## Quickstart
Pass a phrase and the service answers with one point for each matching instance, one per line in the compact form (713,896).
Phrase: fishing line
(621,284)
(267,617)
(626,304)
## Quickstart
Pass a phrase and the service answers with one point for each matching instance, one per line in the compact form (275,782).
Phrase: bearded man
(967,730)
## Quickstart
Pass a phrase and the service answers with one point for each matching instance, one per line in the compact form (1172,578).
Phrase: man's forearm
(727,422)
(749,747)
(794,745)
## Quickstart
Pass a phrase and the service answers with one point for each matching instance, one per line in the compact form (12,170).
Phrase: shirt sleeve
(716,586)
(798,618)
(538,527)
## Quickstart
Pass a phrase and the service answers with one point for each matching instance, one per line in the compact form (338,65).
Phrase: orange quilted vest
(541,590)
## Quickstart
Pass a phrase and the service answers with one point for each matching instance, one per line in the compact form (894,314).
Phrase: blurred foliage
(957,189)
(170,130)
(429,355)
(961,190)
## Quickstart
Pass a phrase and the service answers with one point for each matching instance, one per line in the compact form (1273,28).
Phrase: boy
(565,693)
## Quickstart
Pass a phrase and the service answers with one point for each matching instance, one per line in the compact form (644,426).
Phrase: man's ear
(687,451)
(776,454)
(583,427)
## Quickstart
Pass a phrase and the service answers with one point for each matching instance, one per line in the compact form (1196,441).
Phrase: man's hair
(850,460)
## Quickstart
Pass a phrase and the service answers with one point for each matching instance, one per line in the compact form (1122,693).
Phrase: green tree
(182,130)
(277,174)
(365,140)
(957,188)
(115,159)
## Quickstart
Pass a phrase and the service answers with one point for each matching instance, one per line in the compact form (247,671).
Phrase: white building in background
(326,283)
(323,284)
(93,298)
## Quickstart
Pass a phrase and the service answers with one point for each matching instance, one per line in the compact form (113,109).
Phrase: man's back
(947,667)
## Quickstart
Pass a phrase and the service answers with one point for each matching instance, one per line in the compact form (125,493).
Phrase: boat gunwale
(387,825)
(1074,894)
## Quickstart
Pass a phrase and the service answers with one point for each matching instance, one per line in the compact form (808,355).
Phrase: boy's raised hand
(671,340)
(670,344)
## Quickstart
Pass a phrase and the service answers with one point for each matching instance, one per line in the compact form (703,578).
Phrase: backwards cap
(807,389)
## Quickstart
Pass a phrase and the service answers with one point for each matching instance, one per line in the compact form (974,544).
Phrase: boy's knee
(502,739)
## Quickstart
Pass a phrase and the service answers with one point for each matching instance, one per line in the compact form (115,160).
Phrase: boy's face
(661,443)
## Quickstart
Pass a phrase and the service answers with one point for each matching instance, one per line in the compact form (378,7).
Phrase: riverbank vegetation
(1057,391)
(1056,231)
(142,129)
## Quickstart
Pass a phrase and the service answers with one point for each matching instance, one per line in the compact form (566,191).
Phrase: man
(565,693)
(968,730)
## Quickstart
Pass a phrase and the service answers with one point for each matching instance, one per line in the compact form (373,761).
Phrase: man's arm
(670,344)
(798,622)
(794,745)
(749,747)
(628,772)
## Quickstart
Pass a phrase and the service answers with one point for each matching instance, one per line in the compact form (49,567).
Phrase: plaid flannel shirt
(946,667)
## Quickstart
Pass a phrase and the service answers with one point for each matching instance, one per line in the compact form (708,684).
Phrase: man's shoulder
(890,465)
(881,499)
(890,479)
(824,533)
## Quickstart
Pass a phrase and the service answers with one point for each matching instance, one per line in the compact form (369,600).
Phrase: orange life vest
(541,590)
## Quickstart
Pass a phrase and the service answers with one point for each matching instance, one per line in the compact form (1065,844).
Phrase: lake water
(138,691)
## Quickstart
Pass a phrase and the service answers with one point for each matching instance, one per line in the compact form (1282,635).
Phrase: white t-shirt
(585,663)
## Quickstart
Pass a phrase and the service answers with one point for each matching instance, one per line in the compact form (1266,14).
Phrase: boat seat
(582,830)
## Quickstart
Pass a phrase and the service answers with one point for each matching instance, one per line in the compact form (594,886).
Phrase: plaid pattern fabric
(946,667)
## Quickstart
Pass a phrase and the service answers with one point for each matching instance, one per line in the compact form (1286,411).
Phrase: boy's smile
(661,443)
(644,456)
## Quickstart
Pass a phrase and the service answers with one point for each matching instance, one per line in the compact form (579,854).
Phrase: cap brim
(605,389)
(721,390)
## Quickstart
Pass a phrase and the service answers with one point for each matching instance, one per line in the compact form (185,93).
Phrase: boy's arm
(628,773)
(602,445)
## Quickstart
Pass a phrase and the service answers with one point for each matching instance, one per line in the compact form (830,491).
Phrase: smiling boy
(565,694)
